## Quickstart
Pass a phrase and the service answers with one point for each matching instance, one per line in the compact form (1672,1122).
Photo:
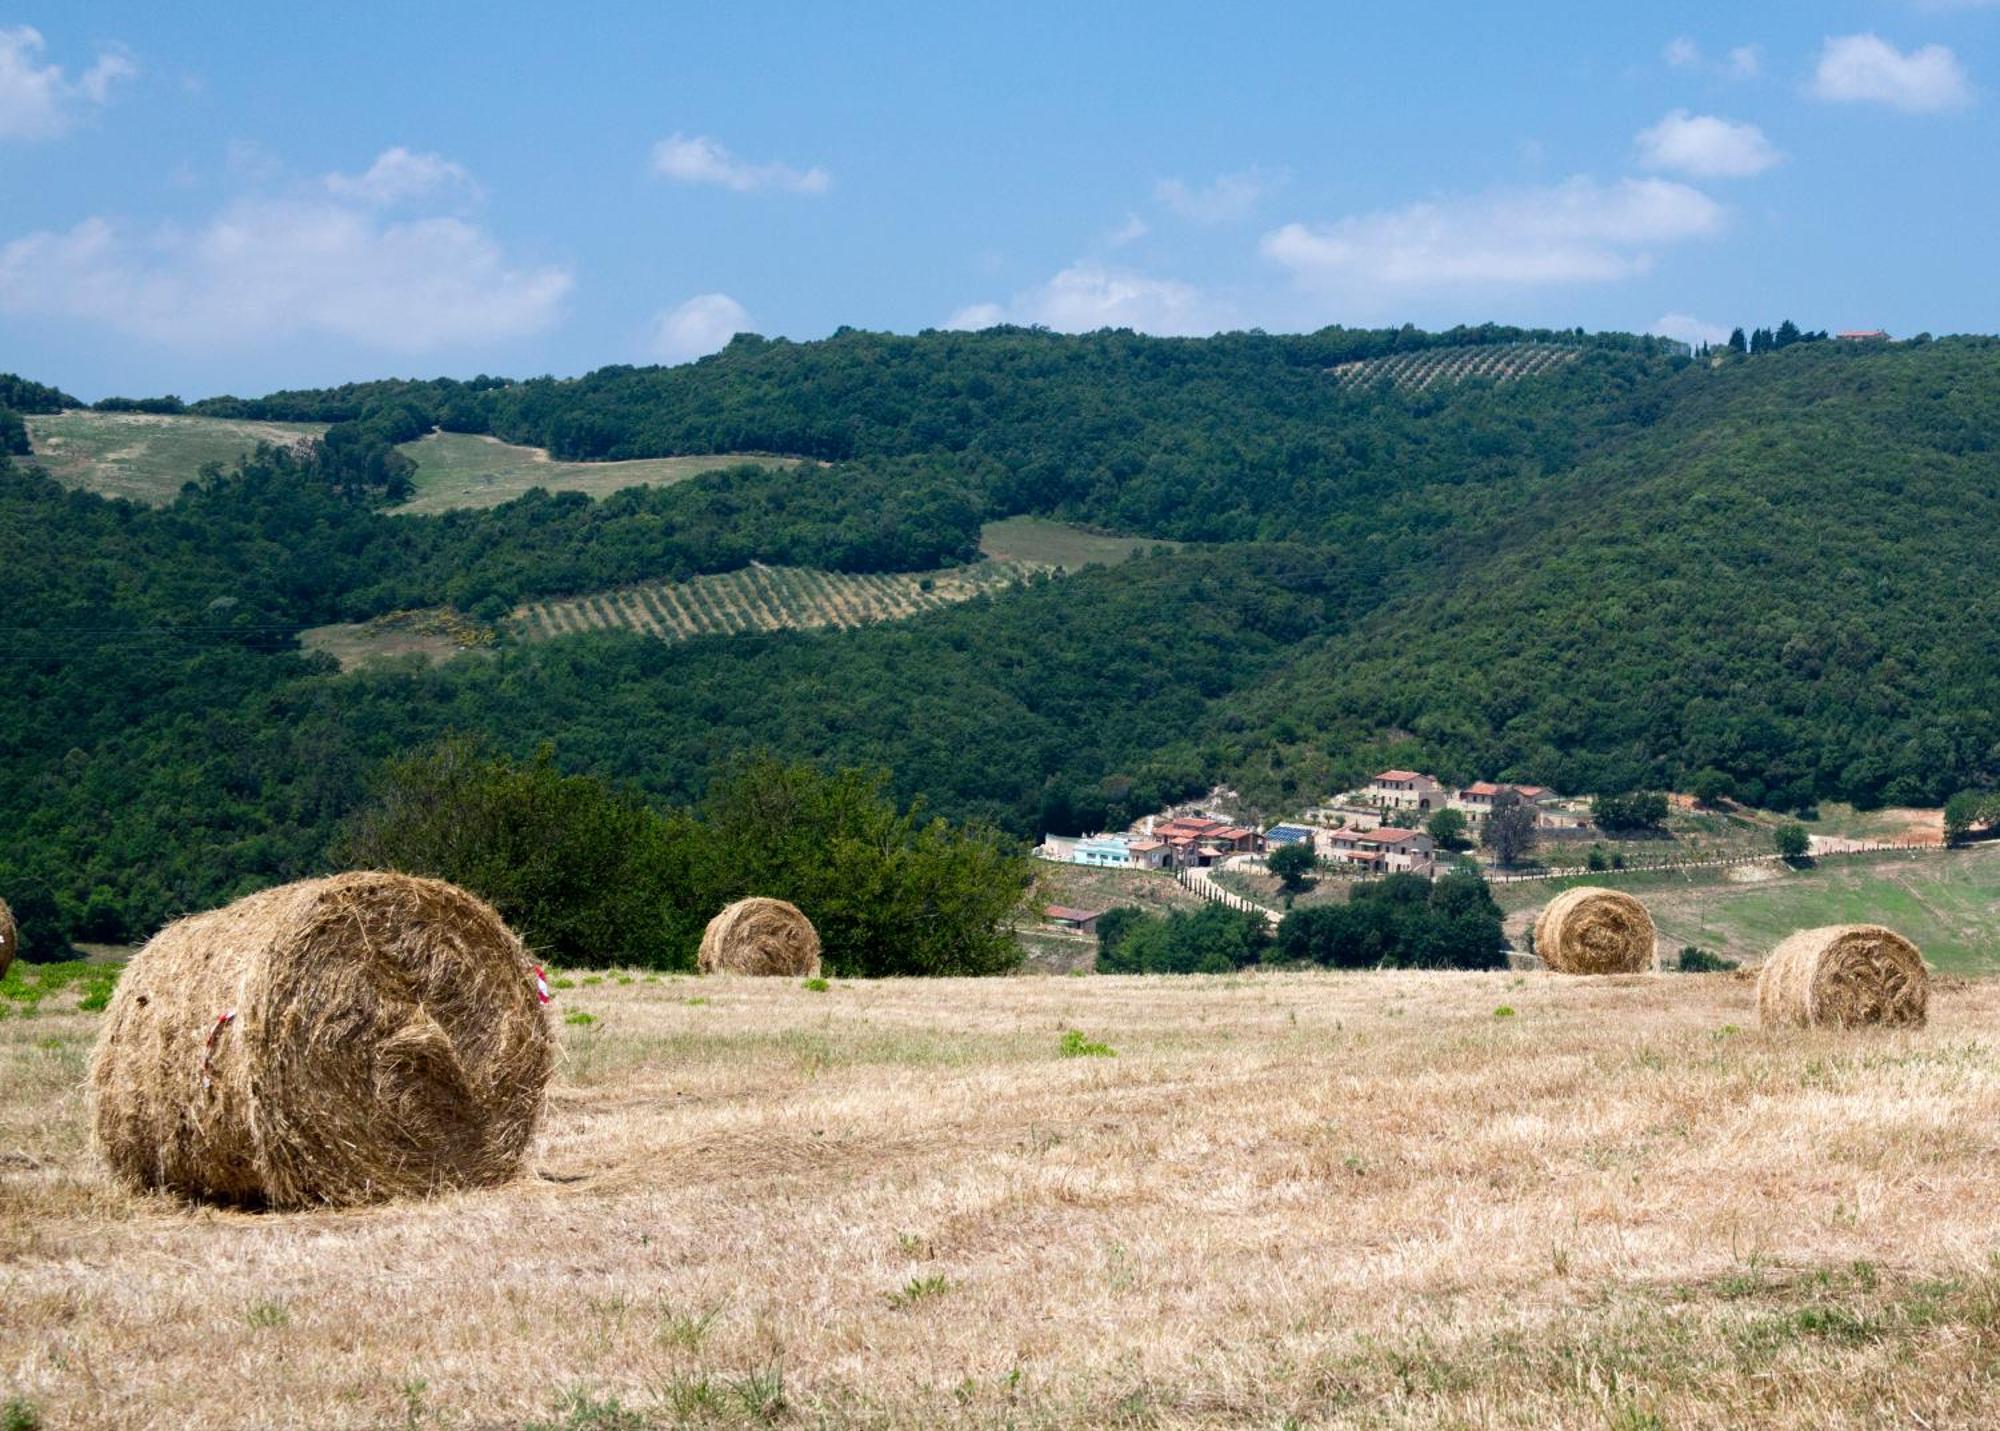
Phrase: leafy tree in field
(1447,827)
(1510,829)
(596,877)
(1791,841)
(1710,787)
(1401,922)
(1967,810)
(891,891)
(1293,865)
(1214,939)
(578,870)
(1621,814)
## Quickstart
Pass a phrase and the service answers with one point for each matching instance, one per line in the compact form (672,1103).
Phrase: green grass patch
(26,986)
(144,457)
(459,469)
(1041,542)
(1948,902)
(1076,1045)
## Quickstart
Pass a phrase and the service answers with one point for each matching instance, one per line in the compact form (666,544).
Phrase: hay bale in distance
(760,936)
(1588,930)
(329,1042)
(1843,976)
(10,936)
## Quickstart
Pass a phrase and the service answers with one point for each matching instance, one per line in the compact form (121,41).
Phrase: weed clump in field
(1695,960)
(1076,1045)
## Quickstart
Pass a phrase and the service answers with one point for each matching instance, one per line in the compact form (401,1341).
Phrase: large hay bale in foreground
(10,936)
(1843,976)
(1588,930)
(760,936)
(333,1041)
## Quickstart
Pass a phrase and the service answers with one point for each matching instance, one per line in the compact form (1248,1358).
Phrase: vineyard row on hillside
(764,598)
(1415,371)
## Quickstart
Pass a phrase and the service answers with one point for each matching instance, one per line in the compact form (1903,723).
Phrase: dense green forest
(1607,577)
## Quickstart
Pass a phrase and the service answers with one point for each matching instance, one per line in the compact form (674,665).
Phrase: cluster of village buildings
(1363,828)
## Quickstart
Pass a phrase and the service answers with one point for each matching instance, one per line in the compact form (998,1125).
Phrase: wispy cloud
(262,269)
(698,159)
(1223,199)
(1868,69)
(1087,296)
(40,101)
(1741,62)
(1706,147)
(1689,329)
(1131,231)
(400,176)
(1579,231)
(702,325)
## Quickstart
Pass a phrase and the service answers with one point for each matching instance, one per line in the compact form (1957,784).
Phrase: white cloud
(1131,231)
(1868,69)
(702,325)
(264,270)
(1087,296)
(1689,329)
(1578,231)
(36,100)
(1706,147)
(399,176)
(1228,197)
(697,159)
(1742,62)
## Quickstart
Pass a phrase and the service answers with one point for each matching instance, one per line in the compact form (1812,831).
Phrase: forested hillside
(1622,568)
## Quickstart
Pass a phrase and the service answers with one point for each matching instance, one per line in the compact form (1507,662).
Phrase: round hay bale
(330,1042)
(10,937)
(760,936)
(1588,930)
(1843,976)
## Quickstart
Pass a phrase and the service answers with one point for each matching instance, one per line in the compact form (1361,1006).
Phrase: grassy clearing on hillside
(436,633)
(1947,902)
(763,598)
(1317,1198)
(146,457)
(458,469)
(1038,541)
(1080,887)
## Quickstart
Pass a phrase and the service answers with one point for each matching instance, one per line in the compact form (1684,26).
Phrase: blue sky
(206,197)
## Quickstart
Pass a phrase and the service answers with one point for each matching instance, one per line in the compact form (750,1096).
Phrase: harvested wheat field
(1317,1199)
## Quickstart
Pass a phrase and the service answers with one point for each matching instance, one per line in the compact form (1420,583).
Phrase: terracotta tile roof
(1076,916)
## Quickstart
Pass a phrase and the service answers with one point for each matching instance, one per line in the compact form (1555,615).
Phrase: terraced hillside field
(1431,367)
(764,598)
(147,457)
(458,469)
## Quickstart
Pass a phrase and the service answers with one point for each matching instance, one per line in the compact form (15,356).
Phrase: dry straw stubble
(760,936)
(329,1042)
(1843,976)
(1588,930)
